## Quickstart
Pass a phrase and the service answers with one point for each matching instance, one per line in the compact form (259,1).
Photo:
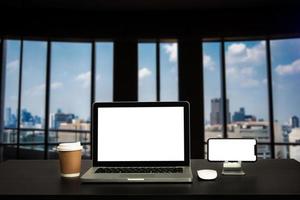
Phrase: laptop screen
(140,134)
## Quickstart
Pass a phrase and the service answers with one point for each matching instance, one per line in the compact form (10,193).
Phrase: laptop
(140,142)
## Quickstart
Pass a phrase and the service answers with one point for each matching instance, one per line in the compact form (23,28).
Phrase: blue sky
(71,75)
(168,72)
(285,55)
(246,77)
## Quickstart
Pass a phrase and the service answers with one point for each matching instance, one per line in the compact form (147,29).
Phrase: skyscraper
(294,122)
(216,116)
(61,117)
(8,117)
(294,137)
(239,116)
(52,120)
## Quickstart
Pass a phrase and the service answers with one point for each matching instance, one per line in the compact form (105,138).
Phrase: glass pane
(294,137)
(205,151)
(147,72)
(86,152)
(263,151)
(52,152)
(9,136)
(286,80)
(294,152)
(70,86)
(32,152)
(282,152)
(32,136)
(104,71)
(212,90)
(168,72)
(12,67)
(33,89)
(69,136)
(247,91)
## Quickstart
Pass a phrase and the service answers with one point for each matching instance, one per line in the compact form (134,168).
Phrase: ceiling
(142,5)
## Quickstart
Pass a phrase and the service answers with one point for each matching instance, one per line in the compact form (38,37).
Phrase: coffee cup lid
(72,146)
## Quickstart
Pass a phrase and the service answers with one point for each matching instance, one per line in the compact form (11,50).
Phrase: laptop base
(91,177)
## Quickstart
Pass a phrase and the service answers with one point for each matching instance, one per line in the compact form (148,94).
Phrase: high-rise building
(8,117)
(52,120)
(10,120)
(294,137)
(239,116)
(76,125)
(61,117)
(294,122)
(261,132)
(216,115)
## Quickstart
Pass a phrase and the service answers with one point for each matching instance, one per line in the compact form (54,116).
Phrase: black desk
(41,179)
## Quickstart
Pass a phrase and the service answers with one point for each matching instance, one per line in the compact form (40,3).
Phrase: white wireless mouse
(207,174)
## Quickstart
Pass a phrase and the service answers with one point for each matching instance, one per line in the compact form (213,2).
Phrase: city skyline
(71,75)
(28,117)
(247,80)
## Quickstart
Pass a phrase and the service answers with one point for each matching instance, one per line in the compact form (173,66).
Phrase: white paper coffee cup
(70,159)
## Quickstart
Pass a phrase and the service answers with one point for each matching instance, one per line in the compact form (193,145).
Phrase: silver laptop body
(140,142)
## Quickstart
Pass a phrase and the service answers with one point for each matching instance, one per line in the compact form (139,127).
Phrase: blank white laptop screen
(141,134)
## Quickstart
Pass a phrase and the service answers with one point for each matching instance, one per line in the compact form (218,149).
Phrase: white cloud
(249,83)
(84,78)
(36,90)
(242,63)
(288,69)
(13,65)
(56,85)
(171,50)
(144,72)
(236,49)
(247,71)
(208,63)
(232,72)
(239,54)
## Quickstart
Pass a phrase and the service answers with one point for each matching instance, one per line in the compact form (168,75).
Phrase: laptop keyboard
(140,170)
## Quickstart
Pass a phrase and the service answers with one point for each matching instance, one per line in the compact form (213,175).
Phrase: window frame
(157,43)
(269,77)
(46,128)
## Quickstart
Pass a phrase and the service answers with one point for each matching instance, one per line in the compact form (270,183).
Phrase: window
(168,72)
(247,69)
(247,90)
(158,71)
(32,113)
(285,57)
(212,90)
(147,72)
(69,99)
(12,68)
(70,91)
(104,71)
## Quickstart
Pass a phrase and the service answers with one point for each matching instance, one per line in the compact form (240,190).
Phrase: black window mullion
(93,83)
(157,71)
(19,99)
(270,98)
(223,91)
(47,99)
(2,87)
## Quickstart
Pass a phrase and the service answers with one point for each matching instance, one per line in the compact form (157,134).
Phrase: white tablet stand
(232,168)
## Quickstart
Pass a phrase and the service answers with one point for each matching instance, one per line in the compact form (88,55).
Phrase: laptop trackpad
(133,176)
